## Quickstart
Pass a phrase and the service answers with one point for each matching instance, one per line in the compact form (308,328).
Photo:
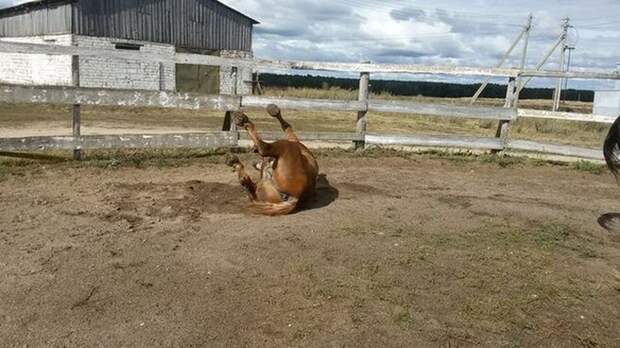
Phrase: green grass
(589,167)
(551,235)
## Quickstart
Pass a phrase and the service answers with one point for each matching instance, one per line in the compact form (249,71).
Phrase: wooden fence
(228,137)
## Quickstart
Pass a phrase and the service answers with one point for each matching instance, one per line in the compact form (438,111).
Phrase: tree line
(418,88)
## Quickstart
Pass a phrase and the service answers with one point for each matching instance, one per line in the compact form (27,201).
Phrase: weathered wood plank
(575,74)
(195,140)
(115,97)
(37,143)
(304,104)
(442,110)
(569,116)
(362,121)
(565,150)
(436,141)
(309,136)
(262,64)
(77,131)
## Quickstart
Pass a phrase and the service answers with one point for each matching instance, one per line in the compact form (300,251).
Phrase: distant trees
(417,88)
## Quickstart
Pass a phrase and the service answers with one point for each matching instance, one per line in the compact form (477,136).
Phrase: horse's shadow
(325,195)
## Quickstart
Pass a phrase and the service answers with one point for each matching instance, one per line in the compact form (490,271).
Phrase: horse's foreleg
(244,179)
(276,113)
(263,148)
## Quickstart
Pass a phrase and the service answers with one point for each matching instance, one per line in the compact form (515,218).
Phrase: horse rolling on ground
(288,171)
(611,147)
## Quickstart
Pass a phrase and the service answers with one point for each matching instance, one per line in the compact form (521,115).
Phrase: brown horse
(288,171)
(611,148)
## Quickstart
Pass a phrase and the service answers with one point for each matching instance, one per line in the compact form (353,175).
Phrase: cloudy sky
(472,32)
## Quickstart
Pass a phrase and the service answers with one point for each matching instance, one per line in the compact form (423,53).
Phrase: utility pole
(542,62)
(570,51)
(525,33)
(526,40)
(558,90)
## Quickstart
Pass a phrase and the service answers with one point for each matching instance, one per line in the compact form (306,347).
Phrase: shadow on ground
(326,194)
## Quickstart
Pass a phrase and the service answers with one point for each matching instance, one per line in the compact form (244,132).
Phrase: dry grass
(23,119)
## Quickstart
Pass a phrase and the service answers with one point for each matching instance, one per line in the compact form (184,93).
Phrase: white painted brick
(244,76)
(37,69)
(123,73)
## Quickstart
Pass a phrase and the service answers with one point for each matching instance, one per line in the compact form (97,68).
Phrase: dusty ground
(402,251)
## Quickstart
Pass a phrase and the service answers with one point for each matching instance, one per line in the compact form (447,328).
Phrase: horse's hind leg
(275,112)
(264,149)
(244,179)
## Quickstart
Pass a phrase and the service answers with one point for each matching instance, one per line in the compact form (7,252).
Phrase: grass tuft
(589,167)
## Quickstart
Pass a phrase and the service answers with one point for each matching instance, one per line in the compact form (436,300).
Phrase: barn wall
(244,76)
(43,21)
(122,73)
(197,24)
(607,103)
(37,69)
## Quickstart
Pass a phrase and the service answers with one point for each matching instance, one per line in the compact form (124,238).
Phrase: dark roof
(36,4)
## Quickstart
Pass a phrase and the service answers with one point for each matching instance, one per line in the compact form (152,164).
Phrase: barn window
(127,46)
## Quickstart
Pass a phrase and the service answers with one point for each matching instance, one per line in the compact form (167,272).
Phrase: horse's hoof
(273,110)
(232,160)
(240,119)
(258,165)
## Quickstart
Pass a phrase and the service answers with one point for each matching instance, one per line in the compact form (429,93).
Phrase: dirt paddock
(401,251)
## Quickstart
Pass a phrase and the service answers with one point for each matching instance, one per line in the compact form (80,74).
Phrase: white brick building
(89,23)
(607,103)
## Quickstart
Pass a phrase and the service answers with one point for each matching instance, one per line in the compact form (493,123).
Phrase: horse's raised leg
(263,148)
(276,113)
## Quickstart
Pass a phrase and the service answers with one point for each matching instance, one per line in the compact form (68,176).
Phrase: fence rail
(77,96)
(263,64)
(134,141)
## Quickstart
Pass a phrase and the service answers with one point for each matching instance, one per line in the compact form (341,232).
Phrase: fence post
(361,115)
(76,120)
(255,83)
(504,125)
(229,125)
(162,77)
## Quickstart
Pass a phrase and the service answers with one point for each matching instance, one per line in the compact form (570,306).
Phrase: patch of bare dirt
(185,201)
(395,252)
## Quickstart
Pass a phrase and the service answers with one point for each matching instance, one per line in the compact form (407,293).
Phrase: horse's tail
(274,209)
(611,146)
